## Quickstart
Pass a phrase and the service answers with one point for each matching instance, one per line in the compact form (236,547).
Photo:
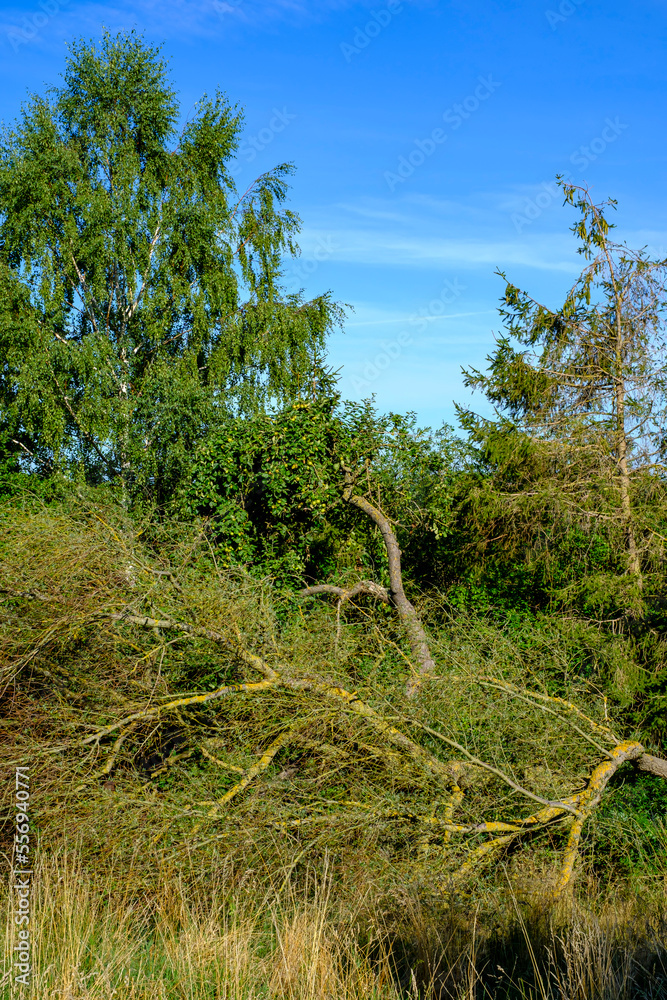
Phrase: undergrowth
(329,872)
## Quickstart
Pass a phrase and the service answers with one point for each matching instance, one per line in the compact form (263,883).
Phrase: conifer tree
(580,392)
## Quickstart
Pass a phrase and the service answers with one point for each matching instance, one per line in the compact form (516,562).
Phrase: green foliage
(140,295)
(267,482)
(272,485)
(629,833)
(567,479)
(648,710)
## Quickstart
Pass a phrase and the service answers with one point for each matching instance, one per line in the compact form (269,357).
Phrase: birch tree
(140,291)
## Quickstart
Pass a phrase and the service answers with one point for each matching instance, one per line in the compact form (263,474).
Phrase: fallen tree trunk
(433,803)
(395,596)
(652,765)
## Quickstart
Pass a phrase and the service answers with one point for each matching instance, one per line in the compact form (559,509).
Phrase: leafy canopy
(272,488)
(140,293)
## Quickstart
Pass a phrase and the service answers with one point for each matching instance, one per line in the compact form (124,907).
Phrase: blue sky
(426,136)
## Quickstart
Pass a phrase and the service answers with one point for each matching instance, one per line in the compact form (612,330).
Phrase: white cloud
(420,231)
(387,247)
(383,320)
(166,18)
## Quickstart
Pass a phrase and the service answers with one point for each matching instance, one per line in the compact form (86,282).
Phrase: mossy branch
(588,800)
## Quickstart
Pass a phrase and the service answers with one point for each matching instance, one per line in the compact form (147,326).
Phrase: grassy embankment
(300,837)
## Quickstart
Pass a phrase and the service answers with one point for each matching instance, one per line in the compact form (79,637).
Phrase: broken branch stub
(652,765)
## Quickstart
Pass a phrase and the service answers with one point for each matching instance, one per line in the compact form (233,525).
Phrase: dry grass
(92,945)
(297,942)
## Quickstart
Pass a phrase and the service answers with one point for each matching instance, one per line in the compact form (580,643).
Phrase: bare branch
(363,587)
(529,697)
(248,658)
(501,774)
(406,611)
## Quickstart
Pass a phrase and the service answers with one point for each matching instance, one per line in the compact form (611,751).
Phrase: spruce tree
(575,453)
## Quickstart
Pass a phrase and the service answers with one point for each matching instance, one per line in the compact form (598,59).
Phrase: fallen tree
(295,714)
(395,595)
(573,811)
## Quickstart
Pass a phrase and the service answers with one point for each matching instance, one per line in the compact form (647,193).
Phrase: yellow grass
(195,941)
(89,944)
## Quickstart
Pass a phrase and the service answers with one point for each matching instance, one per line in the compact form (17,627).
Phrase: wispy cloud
(387,247)
(165,18)
(428,319)
(420,231)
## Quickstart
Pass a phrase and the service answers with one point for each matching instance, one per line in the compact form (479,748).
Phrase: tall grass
(194,942)
(89,944)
